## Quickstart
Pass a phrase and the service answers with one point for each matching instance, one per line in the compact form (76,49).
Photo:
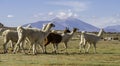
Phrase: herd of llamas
(43,37)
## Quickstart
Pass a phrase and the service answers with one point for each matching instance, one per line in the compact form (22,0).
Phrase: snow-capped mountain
(70,22)
(115,28)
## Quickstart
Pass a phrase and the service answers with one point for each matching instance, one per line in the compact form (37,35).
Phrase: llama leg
(21,38)
(65,47)
(45,47)
(94,47)
(4,46)
(30,48)
(84,44)
(54,48)
(16,47)
(22,48)
(80,46)
(89,45)
(34,47)
(42,48)
(12,45)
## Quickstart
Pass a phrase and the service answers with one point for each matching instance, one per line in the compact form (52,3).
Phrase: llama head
(51,24)
(101,32)
(29,26)
(19,28)
(83,32)
(66,30)
(75,29)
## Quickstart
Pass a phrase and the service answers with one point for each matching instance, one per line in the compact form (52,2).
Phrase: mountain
(70,22)
(114,28)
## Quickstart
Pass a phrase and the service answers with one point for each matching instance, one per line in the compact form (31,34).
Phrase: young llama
(66,37)
(91,39)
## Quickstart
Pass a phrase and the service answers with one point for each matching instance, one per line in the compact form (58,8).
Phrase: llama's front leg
(34,49)
(80,46)
(84,45)
(66,47)
(22,48)
(16,47)
(30,48)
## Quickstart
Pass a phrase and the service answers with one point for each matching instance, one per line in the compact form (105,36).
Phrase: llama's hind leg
(55,46)
(44,47)
(4,46)
(89,45)
(94,47)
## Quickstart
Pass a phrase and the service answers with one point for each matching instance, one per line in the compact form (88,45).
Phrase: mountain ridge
(70,22)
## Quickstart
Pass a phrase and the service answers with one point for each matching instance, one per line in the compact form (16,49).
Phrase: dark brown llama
(54,38)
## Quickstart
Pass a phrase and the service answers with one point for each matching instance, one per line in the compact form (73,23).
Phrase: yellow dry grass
(108,55)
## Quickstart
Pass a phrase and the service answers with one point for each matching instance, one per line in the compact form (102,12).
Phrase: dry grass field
(108,54)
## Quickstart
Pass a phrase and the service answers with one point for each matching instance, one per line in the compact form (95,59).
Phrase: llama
(54,38)
(9,35)
(66,37)
(34,35)
(91,39)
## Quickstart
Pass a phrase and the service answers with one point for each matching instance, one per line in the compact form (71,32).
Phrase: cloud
(102,22)
(50,13)
(53,14)
(10,16)
(74,5)
(66,14)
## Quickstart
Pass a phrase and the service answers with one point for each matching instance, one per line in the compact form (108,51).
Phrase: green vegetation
(108,55)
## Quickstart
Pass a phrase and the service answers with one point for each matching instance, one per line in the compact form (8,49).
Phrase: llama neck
(72,33)
(44,27)
(100,33)
(47,30)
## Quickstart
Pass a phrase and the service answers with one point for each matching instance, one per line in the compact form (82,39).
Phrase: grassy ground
(108,55)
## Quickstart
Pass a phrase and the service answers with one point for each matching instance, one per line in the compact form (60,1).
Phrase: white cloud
(66,14)
(10,16)
(102,22)
(61,15)
(74,5)
(50,13)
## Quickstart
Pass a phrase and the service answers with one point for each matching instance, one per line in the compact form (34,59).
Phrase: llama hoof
(86,52)
(44,52)
(66,53)
(5,52)
(61,50)
(34,53)
(13,52)
(25,53)
(54,52)
(95,52)
(28,52)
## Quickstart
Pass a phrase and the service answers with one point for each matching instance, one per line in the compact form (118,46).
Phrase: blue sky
(100,13)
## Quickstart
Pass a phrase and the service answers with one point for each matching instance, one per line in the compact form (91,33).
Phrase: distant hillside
(70,22)
(115,28)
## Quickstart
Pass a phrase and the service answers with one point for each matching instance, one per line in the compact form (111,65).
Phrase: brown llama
(54,38)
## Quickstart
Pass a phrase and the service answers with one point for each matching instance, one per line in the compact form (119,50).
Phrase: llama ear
(66,28)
